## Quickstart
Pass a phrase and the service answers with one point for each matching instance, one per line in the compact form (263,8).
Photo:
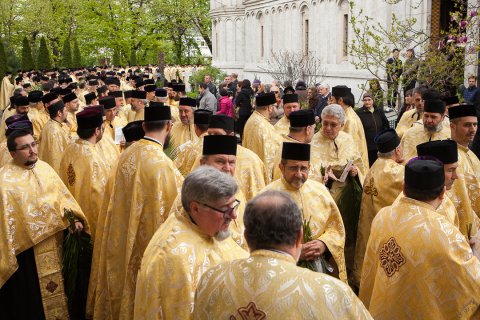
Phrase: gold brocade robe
(249,172)
(353,126)
(85,174)
(337,153)
(175,259)
(187,153)
(32,202)
(6,91)
(146,185)
(108,151)
(418,266)
(182,133)
(269,285)
(118,122)
(282,126)
(326,223)
(382,185)
(135,115)
(54,139)
(416,135)
(237,227)
(174,111)
(465,192)
(72,119)
(5,155)
(407,120)
(3,126)
(315,172)
(260,136)
(39,122)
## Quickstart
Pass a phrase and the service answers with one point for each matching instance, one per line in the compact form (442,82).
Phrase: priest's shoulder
(247,153)
(344,137)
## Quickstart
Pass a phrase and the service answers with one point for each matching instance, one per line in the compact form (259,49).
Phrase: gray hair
(271,219)
(324,85)
(207,184)
(336,111)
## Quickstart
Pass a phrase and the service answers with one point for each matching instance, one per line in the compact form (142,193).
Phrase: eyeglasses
(24,147)
(229,211)
(302,169)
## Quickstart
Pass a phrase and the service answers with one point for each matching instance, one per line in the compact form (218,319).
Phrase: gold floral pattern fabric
(427,272)
(282,126)
(187,153)
(145,186)
(260,137)
(54,140)
(182,133)
(318,206)
(268,285)
(407,120)
(383,184)
(175,259)
(354,127)
(417,134)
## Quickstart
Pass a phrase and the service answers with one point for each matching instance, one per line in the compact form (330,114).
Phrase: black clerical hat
(302,118)
(222,121)
(186,101)
(90,118)
(463,110)
(35,96)
(150,88)
(69,97)
(202,116)
(266,99)
(341,91)
(444,150)
(133,131)
(156,104)
(128,94)
(451,100)
(386,140)
(160,92)
(435,106)
(24,124)
(289,98)
(296,151)
(116,94)
(21,101)
(107,102)
(49,97)
(178,87)
(157,113)
(424,175)
(137,94)
(219,145)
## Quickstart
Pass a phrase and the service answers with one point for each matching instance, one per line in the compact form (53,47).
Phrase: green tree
(27,59)
(133,57)
(43,58)
(3,60)
(116,58)
(66,54)
(77,57)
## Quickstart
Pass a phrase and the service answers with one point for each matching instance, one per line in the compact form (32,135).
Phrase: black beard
(166,144)
(30,163)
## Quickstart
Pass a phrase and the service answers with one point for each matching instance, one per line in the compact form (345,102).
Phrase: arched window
(344,20)
(261,35)
(305,30)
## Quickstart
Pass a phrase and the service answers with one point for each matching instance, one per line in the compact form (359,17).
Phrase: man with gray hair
(139,102)
(186,245)
(274,234)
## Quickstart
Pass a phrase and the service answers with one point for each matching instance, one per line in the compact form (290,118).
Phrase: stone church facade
(246,32)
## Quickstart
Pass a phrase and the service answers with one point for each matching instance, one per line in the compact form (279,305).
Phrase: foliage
(116,58)
(216,73)
(442,61)
(77,56)
(66,54)
(43,57)
(27,59)
(291,66)
(3,60)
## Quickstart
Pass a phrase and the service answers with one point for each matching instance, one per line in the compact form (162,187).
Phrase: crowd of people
(122,197)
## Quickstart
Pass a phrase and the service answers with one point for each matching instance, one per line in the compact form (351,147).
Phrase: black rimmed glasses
(229,211)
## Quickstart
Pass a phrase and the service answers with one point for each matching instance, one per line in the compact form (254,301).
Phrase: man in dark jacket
(394,71)
(243,103)
(373,121)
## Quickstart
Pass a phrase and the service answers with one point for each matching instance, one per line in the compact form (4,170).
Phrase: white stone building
(246,32)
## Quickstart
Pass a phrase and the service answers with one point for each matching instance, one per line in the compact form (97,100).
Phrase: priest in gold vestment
(465,193)
(413,115)
(249,169)
(6,91)
(342,95)
(186,154)
(42,116)
(54,137)
(432,128)
(301,130)
(417,264)
(316,205)
(82,168)
(20,105)
(112,119)
(184,130)
(161,96)
(260,136)
(33,201)
(268,284)
(186,245)
(72,106)
(146,185)
(290,104)
(383,184)
(137,108)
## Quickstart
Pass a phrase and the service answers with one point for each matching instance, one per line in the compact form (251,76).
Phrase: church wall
(283,29)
